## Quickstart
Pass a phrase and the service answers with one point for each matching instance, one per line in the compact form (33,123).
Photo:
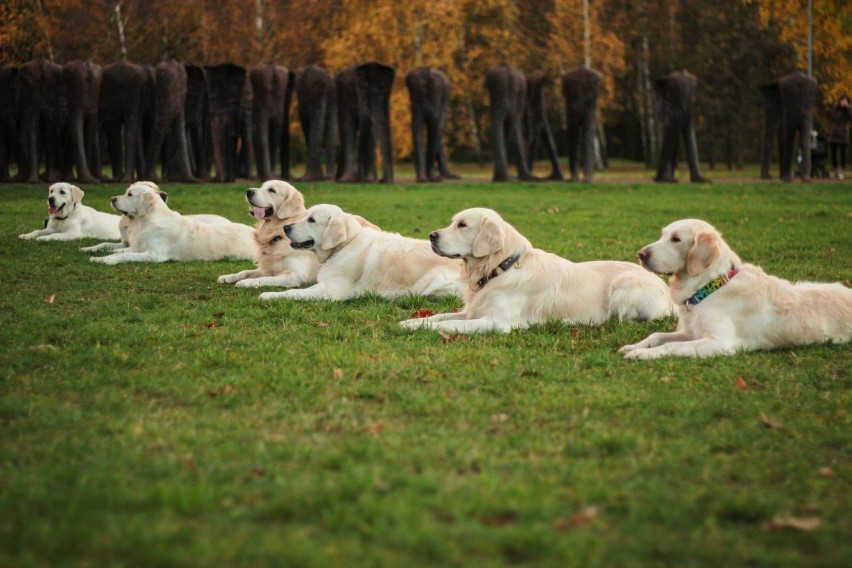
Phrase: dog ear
(488,240)
(364,223)
(76,194)
(704,251)
(293,204)
(147,203)
(339,230)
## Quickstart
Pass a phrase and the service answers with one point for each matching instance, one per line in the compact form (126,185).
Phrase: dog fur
(68,219)
(752,311)
(538,286)
(356,260)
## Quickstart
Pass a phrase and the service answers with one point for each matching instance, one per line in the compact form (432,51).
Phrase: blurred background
(732,47)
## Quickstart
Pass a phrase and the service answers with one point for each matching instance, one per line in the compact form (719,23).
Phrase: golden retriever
(160,234)
(127,226)
(356,260)
(275,204)
(726,306)
(68,219)
(512,285)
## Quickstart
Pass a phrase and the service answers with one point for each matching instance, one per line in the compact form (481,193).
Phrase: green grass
(150,417)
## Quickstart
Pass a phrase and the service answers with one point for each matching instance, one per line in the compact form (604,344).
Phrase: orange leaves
(421,314)
(741,384)
(580,519)
(807,524)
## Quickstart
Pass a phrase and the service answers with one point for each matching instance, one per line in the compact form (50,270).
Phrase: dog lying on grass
(275,204)
(511,285)
(160,234)
(356,259)
(725,305)
(68,219)
(127,226)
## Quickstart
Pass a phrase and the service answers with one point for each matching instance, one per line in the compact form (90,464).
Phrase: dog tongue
(258,212)
(53,210)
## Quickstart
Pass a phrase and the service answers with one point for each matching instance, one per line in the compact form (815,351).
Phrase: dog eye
(461,225)
(311,220)
(675,239)
(271,190)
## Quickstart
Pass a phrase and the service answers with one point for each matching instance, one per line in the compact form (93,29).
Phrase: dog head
(688,247)
(323,229)
(62,199)
(275,198)
(481,237)
(139,199)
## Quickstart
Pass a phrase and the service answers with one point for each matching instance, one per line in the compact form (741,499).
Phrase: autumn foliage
(737,44)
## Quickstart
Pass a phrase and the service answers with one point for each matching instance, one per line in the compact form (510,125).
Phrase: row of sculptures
(183,119)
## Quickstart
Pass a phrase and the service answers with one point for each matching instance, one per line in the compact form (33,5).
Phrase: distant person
(838,135)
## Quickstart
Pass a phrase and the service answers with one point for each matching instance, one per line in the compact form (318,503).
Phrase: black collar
(501,268)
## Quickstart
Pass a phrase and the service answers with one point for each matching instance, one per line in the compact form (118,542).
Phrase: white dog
(513,285)
(68,219)
(725,306)
(356,260)
(127,226)
(160,234)
(275,204)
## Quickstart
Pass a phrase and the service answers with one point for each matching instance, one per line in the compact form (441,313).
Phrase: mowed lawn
(151,417)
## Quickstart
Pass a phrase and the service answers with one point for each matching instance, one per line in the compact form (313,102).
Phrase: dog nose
(644,254)
(112,199)
(433,236)
(250,192)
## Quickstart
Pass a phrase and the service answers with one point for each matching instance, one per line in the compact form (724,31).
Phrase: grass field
(151,417)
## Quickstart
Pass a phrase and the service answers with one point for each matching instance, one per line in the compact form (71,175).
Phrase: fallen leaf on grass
(826,472)
(453,338)
(227,389)
(337,373)
(501,417)
(792,523)
(211,324)
(257,472)
(374,429)
(584,517)
(769,423)
(741,384)
(50,299)
(43,347)
(421,314)
(322,325)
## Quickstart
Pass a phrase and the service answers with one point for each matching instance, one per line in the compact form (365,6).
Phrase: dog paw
(26,237)
(247,283)
(629,348)
(226,279)
(642,354)
(272,296)
(98,259)
(412,323)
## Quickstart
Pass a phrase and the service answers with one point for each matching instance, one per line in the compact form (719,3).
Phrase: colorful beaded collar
(711,287)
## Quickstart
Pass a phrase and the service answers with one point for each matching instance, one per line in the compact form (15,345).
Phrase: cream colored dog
(725,305)
(513,285)
(127,226)
(68,219)
(275,204)
(356,260)
(160,234)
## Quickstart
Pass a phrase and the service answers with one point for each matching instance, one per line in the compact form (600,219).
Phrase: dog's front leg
(704,347)
(69,236)
(123,257)
(479,325)
(115,247)
(286,280)
(35,234)
(417,323)
(655,339)
(239,276)
(315,292)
